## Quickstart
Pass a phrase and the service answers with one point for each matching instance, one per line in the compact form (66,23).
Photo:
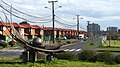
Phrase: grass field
(56,63)
(92,44)
(112,43)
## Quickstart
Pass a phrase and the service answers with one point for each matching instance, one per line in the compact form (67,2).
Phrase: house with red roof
(58,32)
(4,31)
(37,31)
(48,33)
(29,32)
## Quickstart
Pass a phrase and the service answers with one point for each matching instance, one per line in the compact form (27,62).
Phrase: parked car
(3,43)
(62,38)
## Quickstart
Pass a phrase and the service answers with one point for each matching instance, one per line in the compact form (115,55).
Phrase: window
(1,28)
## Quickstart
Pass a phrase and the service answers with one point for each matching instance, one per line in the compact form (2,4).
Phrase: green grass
(92,44)
(56,63)
(9,47)
(111,48)
(112,43)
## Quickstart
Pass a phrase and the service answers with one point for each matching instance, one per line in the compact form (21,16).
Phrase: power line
(20,11)
(64,23)
(8,10)
(21,17)
(62,19)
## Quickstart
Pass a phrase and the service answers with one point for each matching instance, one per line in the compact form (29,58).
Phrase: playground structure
(30,52)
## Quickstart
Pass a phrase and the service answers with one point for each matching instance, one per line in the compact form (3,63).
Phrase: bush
(86,55)
(68,42)
(41,55)
(91,43)
(61,42)
(66,56)
(12,43)
(105,57)
(117,59)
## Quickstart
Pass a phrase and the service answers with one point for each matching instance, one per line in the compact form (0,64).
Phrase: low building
(38,31)
(112,33)
(4,32)
(29,32)
(112,30)
(118,31)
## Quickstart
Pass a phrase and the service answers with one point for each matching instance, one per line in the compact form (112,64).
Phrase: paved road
(76,48)
(5,53)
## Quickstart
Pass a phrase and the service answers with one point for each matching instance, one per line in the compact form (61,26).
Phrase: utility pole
(78,26)
(11,19)
(53,19)
(109,36)
(88,29)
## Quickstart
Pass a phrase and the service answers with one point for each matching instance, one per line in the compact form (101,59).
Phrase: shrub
(91,43)
(68,42)
(86,55)
(12,43)
(66,56)
(40,55)
(117,59)
(105,57)
(61,42)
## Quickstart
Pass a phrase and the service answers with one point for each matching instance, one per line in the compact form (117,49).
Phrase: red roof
(48,28)
(21,26)
(2,23)
(35,26)
(14,24)
(26,25)
(58,29)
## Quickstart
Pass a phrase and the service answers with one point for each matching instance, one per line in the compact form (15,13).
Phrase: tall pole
(78,26)
(53,19)
(11,19)
(109,36)
(88,29)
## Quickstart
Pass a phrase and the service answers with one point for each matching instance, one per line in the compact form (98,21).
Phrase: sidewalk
(14,49)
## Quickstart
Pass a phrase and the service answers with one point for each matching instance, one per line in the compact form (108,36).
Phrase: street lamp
(88,29)
(78,19)
(53,18)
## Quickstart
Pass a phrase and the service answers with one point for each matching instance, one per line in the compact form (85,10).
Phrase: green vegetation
(66,56)
(56,63)
(106,57)
(68,41)
(92,44)
(115,43)
(13,45)
(86,55)
(107,48)
(117,59)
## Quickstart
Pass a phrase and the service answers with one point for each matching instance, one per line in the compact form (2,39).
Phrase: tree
(24,22)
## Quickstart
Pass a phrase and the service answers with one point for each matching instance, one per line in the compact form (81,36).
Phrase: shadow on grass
(20,62)
(8,62)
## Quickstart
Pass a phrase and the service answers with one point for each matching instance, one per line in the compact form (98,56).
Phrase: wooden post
(32,56)
(49,57)
(25,56)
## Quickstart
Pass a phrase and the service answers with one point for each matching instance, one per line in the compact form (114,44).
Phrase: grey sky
(103,12)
